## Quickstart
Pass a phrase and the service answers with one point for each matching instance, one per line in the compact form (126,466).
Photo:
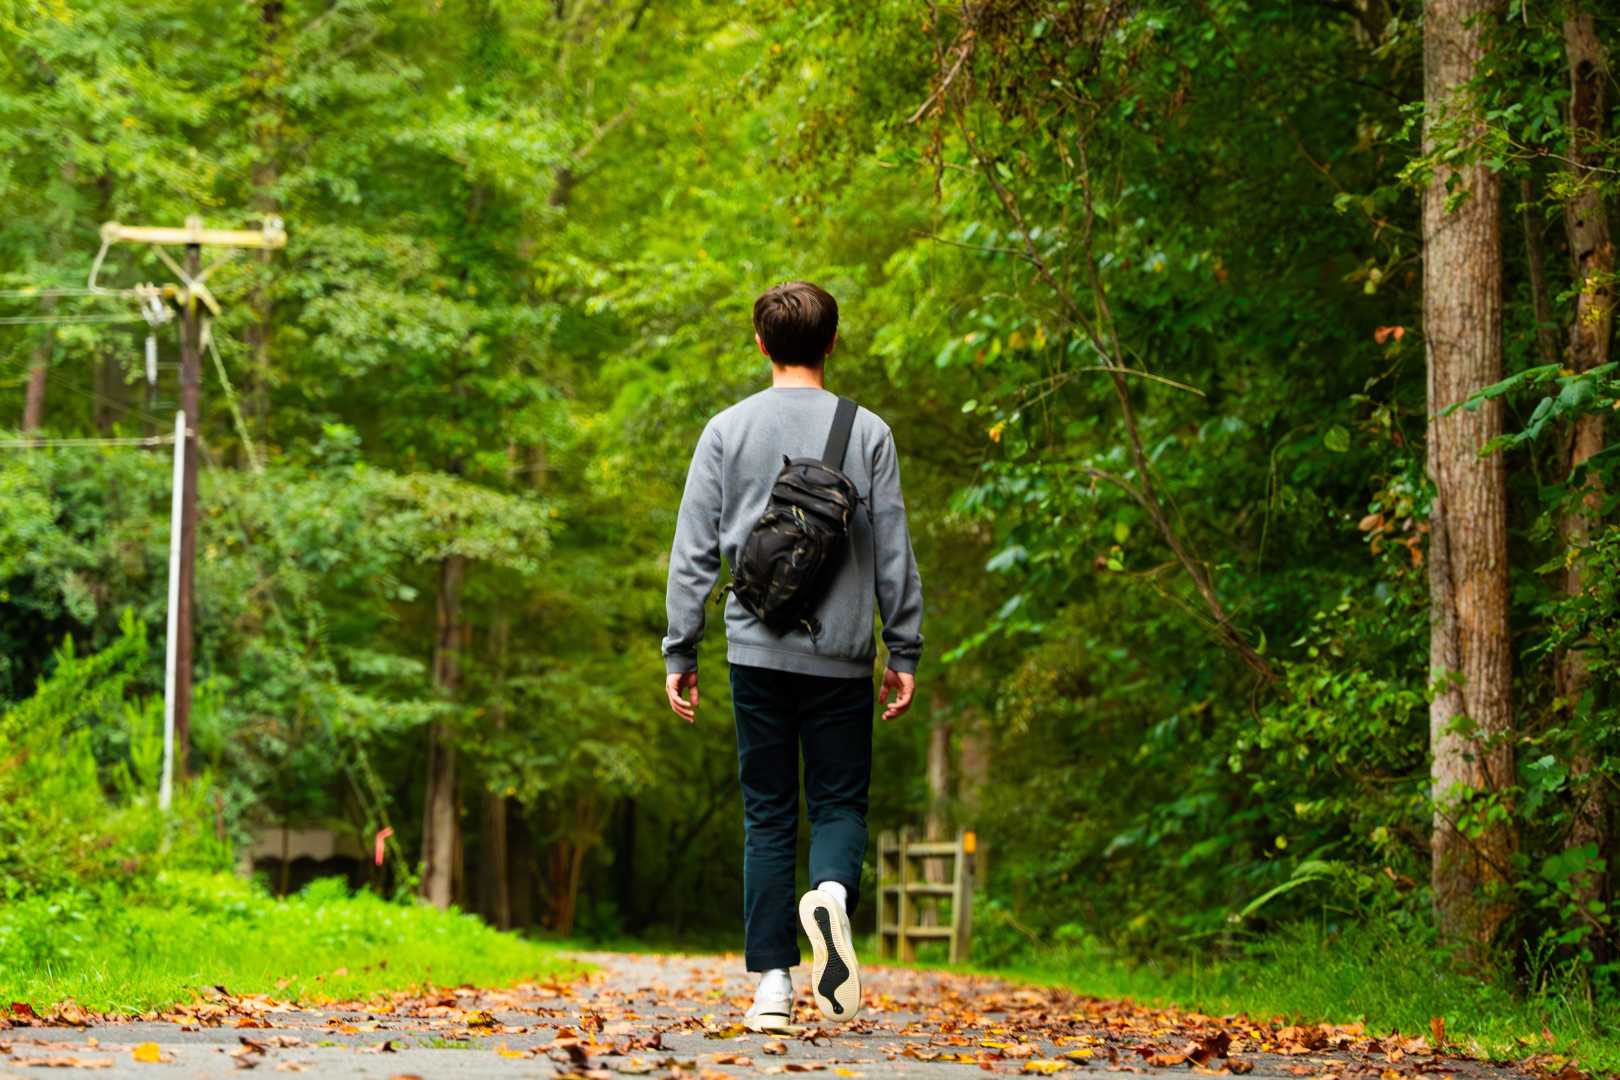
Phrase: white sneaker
(835,976)
(772,1009)
(766,1018)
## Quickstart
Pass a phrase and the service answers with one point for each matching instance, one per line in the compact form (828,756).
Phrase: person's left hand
(905,684)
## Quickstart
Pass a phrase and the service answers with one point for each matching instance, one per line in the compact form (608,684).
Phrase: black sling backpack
(793,550)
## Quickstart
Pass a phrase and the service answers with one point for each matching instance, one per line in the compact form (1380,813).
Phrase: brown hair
(797,321)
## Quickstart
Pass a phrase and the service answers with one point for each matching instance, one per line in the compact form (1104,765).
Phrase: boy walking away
(813,544)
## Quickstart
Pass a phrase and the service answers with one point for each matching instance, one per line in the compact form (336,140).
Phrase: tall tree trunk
(439,846)
(568,862)
(112,393)
(937,820)
(1470,660)
(1586,221)
(624,862)
(494,874)
(39,368)
(521,870)
(266,128)
(973,766)
(1536,254)
(494,899)
(257,333)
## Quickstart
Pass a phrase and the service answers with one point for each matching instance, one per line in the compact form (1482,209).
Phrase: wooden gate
(902,884)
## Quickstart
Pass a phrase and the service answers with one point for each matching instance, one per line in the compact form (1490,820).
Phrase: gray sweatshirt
(730,480)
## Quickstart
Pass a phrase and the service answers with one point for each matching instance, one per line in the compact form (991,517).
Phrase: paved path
(676,1018)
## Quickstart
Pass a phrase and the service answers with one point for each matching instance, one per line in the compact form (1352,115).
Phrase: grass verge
(131,953)
(1390,977)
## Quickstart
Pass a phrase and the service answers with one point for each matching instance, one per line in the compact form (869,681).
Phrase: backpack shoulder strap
(838,439)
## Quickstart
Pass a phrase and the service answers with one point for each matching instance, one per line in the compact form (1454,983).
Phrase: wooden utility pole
(1470,658)
(190,384)
(193,290)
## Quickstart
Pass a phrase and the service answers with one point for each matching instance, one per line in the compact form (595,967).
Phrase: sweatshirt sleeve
(899,588)
(694,560)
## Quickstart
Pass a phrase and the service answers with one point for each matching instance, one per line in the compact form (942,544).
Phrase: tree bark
(937,823)
(257,333)
(493,902)
(439,845)
(1470,660)
(494,896)
(568,862)
(1536,254)
(112,394)
(39,367)
(521,869)
(624,861)
(1586,221)
(973,765)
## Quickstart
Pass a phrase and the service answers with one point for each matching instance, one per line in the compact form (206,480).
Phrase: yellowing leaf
(147,1052)
(1045,1066)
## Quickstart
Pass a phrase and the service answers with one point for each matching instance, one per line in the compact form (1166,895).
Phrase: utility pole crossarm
(271,236)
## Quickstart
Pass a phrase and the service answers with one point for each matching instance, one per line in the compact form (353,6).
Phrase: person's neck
(796,376)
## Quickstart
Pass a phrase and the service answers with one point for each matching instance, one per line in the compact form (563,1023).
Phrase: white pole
(166,788)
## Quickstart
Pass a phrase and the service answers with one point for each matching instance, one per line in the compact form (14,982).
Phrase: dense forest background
(1140,289)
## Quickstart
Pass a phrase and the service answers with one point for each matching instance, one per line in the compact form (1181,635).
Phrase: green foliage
(60,827)
(154,945)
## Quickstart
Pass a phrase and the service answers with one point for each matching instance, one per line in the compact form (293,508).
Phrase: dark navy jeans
(777,713)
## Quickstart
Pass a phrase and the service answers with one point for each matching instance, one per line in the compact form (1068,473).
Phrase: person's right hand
(675,685)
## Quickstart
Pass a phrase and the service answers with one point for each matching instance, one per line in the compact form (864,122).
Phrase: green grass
(133,953)
(1389,977)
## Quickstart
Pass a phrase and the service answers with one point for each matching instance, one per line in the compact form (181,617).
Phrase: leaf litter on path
(662,1017)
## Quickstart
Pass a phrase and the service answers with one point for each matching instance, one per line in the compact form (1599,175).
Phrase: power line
(34,291)
(53,320)
(43,444)
(122,406)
